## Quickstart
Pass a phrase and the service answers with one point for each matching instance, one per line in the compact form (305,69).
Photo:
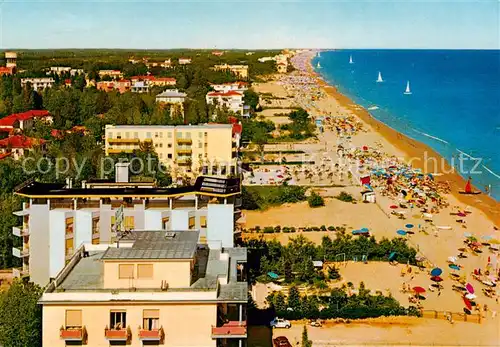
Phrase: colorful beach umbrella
(409,226)
(401,232)
(392,255)
(418,290)
(454,266)
(467,303)
(393,207)
(364,230)
(436,279)
(436,271)
(469,288)
(471,296)
(272,275)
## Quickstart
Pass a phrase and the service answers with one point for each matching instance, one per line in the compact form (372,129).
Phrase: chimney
(121,172)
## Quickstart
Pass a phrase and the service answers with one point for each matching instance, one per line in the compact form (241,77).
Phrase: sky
(164,24)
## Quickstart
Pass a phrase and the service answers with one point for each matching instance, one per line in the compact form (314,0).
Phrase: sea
(454,105)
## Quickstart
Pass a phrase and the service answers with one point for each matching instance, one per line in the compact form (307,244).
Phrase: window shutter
(73,318)
(152,314)
(126,271)
(145,271)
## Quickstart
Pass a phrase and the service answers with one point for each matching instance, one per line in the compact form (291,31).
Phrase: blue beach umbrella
(272,275)
(454,267)
(487,237)
(392,255)
(436,272)
(365,230)
(401,232)
(467,235)
(409,226)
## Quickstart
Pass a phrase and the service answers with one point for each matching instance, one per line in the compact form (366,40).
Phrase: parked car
(280,323)
(315,323)
(281,341)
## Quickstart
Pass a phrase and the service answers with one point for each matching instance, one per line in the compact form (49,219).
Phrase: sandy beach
(436,239)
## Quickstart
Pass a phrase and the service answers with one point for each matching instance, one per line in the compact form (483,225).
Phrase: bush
(323,228)
(257,229)
(268,230)
(277,228)
(331,228)
(333,273)
(292,229)
(286,229)
(315,200)
(346,197)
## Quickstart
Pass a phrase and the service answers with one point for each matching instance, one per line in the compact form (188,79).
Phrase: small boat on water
(318,55)
(350,60)
(318,65)
(407,90)
(379,79)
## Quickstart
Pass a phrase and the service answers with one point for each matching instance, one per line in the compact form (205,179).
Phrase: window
(169,155)
(95,231)
(117,320)
(136,135)
(200,135)
(203,221)
(188,135)
(151,319)
(161,155)
(69,225)
(161,145)
(169,135)
(129,222)
(118,135)
(200,145)
(156,145)
(179,135)
(125,271)
(73,319)
(191,222)
(148,135)
(156,134)
(110,135)
(69,246)
(127,135)
(169,145)
(161,134)
(145,271)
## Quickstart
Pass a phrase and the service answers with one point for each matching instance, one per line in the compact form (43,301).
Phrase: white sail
(318,65)
(408,91)
(350,60)
(319,55)
(379,79)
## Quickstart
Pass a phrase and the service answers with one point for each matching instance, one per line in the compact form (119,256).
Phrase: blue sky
(251,24)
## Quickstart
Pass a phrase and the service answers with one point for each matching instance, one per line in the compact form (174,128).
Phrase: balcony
(151,335)
(184,151)
(73,334)
(110,141)
(117,334)
(16,252)
(231,329)
(184,162)
(119,150)
(184,141)
(19,231)
(66,204)
(88,204)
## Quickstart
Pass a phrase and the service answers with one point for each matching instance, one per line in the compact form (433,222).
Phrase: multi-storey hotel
(210,148)
(153,288)
(57,219)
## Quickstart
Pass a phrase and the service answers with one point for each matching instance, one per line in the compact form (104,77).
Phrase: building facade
(38,83)
(238,70)
(57,219)
(122,86)
(230,87)
(115,74)
(232,100)
(208,148)
(157,288)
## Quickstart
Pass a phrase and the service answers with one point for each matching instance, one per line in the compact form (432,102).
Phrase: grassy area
(263,197)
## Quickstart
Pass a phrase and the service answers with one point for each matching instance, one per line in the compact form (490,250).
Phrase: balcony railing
(19,272)
(184,141)
(62,204)
(19,231)
(123,141)
(231,329)
(73,334)
(151,335)
(117,334)
(88,204)
(119,150)
(184,151)
(16,252)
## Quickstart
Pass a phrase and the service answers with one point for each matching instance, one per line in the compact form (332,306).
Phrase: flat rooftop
(204,185)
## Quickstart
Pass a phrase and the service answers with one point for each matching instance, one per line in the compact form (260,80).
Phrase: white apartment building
(240,87)
(171,96)
(232,100)
(38,83)
(57,219)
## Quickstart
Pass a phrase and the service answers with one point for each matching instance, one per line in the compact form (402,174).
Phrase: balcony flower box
(151,335)
(117,334)
(72,334)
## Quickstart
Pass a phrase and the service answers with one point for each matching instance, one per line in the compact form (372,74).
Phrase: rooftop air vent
(169,234)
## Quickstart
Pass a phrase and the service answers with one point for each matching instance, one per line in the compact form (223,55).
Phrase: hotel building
(115,74)
(156,288)
(38,83)
(57,219)
(238,70)
(208,148)
(232,100)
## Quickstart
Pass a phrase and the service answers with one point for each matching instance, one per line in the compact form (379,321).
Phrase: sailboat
(318,65)
(318,55)
(350,60)
(379,79)
(407,91)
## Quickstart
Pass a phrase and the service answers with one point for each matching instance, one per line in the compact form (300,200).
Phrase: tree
(20,315)
(260,139)
(305,338)
(315,200)
(251,98)
(294,299)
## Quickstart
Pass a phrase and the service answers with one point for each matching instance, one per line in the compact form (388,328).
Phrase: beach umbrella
(467,311)
(461,214)
(470,296)
(418,290)
(467,303)
(272,275)
(392,255)
(393,207)
(364,230)
(409,226)
(436,279)
(454,267)
(487,237)
(469,288)
(436,271)
(452,259)
(401,232)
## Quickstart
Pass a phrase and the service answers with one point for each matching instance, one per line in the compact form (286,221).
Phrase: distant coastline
(413,149)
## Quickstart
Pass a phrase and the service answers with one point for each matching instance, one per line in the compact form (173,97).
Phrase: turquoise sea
(454,105)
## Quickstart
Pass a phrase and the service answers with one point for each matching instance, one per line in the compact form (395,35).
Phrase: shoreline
(412,149)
